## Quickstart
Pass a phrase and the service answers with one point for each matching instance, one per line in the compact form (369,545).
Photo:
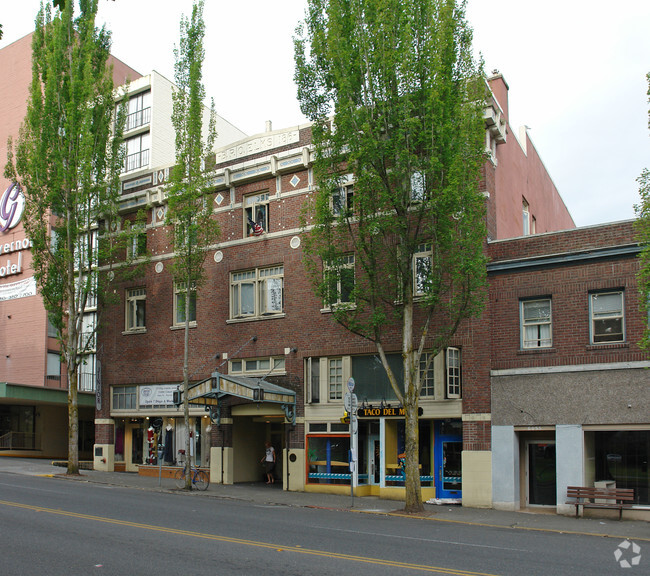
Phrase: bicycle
(200,479)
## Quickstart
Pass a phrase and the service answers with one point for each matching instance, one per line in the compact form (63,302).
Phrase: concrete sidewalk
(262,493)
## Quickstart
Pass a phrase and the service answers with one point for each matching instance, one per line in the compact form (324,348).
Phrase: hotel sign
(12,205)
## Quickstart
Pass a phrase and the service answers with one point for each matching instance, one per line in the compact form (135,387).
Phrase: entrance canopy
(208,393)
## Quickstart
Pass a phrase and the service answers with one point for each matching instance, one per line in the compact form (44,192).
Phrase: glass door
(448,448)
(541,482)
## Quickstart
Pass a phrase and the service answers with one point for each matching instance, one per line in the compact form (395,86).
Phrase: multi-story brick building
(33,383)
(268,359)
(570,391)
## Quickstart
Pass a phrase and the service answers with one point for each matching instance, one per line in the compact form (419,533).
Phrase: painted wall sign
(20,289)
(12,205)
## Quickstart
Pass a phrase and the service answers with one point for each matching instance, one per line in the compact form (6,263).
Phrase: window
(136,301)
(256,214)
(536,323)
(87,374)
(453,373)
(265,365)
(342,200)
(53,367)
(257,293)
(607,318)
(427,379)
(312,380)
(339,278)
(136,244)
(418,186)
(525,212)
(124,397)
(139,110)
(179,305)
(422,260)
(137,152)
(335,378)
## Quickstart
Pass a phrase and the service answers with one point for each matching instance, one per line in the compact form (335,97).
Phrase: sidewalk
(263,494)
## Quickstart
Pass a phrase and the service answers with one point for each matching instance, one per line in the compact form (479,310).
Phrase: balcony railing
(137,160)
(138,118)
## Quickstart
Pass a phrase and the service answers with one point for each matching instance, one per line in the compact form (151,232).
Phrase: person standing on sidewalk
(269,462)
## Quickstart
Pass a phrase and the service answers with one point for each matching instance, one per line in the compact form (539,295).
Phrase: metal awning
(208,392)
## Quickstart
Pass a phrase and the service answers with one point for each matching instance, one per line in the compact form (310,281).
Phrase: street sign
(351,403)
(351,384)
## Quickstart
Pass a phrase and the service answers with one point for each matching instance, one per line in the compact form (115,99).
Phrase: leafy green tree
(68,161)
(396,99)
(643,234)
(189,211)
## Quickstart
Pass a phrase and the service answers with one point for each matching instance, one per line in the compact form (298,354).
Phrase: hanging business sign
(384,412)
(12,206)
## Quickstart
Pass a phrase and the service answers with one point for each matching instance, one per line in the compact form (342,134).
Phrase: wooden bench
(591,497)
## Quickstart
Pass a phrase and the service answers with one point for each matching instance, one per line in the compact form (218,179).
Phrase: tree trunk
(73,422)
(413,496)
(186,385)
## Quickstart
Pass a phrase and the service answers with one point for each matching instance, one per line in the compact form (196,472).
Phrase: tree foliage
(189,210)
(643,234)
(68,161)
(396,99)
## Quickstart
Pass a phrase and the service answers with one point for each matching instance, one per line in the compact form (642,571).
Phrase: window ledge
(255,318)
(182,326)
(135,331)
(540,350)
(608,345)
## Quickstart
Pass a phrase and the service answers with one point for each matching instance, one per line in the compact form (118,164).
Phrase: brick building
(33,384)
(268,361)
(569,383)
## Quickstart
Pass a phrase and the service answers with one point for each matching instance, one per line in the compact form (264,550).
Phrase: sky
(576,71)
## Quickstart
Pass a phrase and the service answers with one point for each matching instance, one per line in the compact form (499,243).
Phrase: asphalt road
(52,526)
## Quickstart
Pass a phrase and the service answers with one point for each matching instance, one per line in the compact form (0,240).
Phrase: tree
(643,234)
(396,100)
(68,161)
(189,212)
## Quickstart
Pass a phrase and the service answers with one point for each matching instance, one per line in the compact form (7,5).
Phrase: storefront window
(622,457)
(328,459)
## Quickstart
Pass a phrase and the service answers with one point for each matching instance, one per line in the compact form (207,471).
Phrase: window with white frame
(256,214)
(607,317)
(339,277)
(422,260)
(427,375)
(312,380)
(257,293)
(266,365)
(139,110)
(87,373)
(125,397)
(137,152)
(180,301)
(136,306)
(453,366)
(536,323)
(136,244)
(335,378)
(342,200)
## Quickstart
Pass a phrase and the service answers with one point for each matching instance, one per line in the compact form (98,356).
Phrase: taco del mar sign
(383,412)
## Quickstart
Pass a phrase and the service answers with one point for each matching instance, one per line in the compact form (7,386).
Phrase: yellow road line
(279,548)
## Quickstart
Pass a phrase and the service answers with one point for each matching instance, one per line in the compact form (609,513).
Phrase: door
(373,462)
(448,447)
(541,471)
